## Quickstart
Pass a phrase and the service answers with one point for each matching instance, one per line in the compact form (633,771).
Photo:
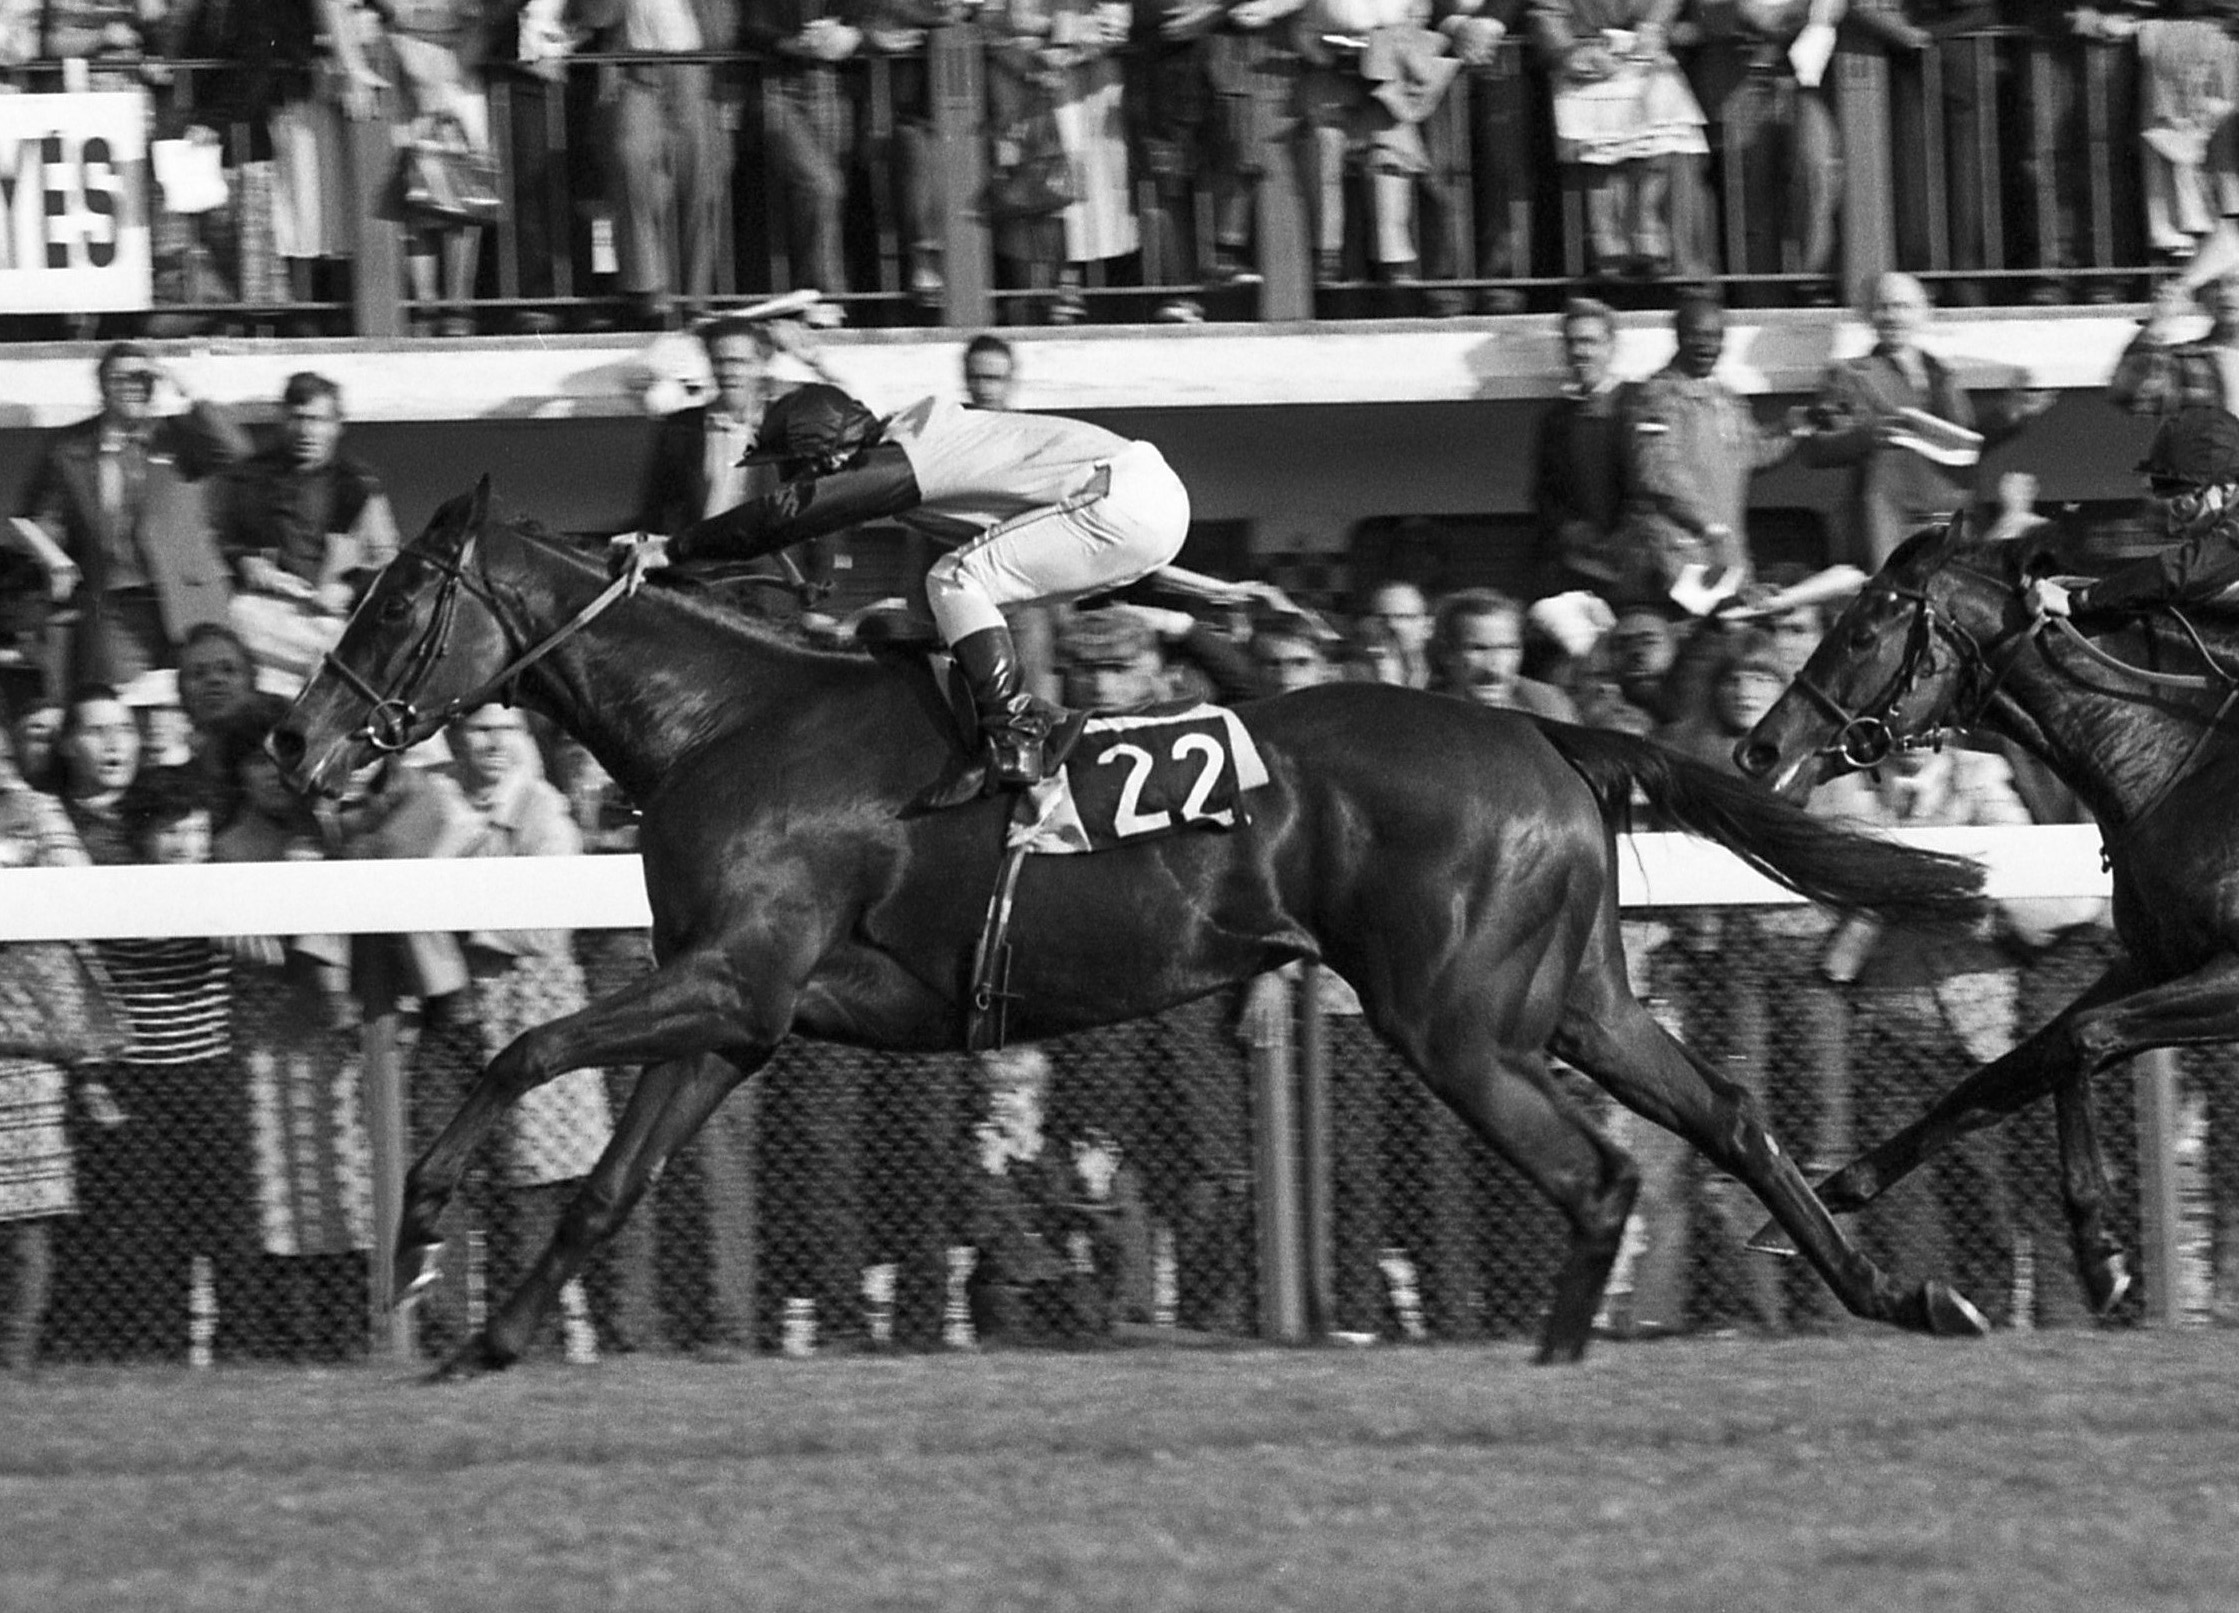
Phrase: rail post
(2168,1138)
(1282,1299)
(1318,1152)
(383,1097)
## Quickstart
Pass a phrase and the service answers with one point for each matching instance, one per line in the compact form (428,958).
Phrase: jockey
(2192,470)
(1039,508)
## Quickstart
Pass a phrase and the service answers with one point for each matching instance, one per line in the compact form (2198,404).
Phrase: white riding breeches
(1082,546)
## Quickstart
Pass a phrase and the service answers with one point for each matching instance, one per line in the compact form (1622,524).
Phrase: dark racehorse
(1457,865)
(2135,717)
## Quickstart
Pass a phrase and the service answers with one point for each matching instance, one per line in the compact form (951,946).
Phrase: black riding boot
(1015,724)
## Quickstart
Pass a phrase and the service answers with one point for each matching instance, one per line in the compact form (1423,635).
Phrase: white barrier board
(591,893)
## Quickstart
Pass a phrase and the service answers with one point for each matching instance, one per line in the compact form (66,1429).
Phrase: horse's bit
(393,722)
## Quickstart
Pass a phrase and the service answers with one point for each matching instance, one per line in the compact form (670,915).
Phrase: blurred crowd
(639,159)
(187,1172)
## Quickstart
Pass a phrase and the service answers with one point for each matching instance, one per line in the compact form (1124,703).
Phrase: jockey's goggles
(2186,502)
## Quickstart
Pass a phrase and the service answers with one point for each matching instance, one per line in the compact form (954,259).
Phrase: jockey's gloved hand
(649,550)
(2048,598)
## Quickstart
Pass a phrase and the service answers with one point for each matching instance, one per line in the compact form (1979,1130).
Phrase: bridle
(1865,738)
(393,721)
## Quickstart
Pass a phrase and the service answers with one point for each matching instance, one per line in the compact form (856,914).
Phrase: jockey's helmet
(813,427)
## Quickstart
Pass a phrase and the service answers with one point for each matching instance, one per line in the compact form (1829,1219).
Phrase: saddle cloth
(1142,774)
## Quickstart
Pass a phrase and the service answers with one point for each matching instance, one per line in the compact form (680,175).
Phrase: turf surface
(2041,1473)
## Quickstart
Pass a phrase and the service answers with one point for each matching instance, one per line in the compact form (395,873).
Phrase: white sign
(73,202)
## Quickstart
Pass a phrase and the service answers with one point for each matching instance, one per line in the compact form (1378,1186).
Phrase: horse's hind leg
(1607,1033)
(688,1007)
(1509,1099)
(668,1105)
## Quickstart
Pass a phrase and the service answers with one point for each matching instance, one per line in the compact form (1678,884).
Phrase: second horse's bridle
(1866,738)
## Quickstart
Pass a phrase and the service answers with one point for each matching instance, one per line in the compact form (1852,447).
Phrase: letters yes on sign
(73,202)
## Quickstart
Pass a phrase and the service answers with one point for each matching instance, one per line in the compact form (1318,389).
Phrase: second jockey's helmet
(2192,467)
(815,427)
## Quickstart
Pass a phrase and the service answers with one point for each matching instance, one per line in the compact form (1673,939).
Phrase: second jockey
(2192,472)
(1038,508)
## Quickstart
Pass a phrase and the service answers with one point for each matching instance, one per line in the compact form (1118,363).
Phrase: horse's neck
(652,680)
(2115,741)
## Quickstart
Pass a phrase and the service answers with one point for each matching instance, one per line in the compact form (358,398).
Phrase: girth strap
(987,1010)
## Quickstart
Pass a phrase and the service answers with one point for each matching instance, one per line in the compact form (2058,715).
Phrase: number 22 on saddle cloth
(1142,774)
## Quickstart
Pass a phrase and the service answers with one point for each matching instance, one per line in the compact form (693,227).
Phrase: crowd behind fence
(1055,164)
(1218,1172)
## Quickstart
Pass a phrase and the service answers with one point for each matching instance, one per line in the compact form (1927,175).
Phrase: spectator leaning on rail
(1042,508)
(114,518)
(1902,424)
(1691,447)
(2192,470)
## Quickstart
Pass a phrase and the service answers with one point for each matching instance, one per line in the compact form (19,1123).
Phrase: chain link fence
(1104,1188)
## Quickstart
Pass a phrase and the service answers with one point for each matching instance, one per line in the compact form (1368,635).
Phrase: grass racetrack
(1869,1471)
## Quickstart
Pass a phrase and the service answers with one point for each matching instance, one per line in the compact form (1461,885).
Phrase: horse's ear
(480,512)
(1953,535)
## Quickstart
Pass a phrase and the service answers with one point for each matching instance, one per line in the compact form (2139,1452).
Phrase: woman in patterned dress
(38,1183)
(296,1037)
(522,978)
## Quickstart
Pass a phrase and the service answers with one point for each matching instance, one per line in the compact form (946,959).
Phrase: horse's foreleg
(688,1007)
(2113,1019)
(1607,1033)
(669,1104)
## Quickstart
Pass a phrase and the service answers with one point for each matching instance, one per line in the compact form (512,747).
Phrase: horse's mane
(2061,550)
(695,591)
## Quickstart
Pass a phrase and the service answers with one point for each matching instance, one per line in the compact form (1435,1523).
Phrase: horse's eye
(395,608)
(1862,636)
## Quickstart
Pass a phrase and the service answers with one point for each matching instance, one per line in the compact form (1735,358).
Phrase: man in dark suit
(1578,478)
(693,470)
(1903,473)
(114,513)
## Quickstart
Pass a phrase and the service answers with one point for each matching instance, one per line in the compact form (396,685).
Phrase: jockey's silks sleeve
(879,482)
(2199,569)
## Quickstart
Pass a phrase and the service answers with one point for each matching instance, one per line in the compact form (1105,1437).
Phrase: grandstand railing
(1998,164)
(1294,1136)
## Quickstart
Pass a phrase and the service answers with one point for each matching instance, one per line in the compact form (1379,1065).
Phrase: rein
(393,722)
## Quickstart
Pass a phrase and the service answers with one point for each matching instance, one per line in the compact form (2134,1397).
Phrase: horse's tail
(1840,868)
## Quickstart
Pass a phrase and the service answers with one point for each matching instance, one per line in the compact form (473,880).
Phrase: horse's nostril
(285,746)
(1756,758)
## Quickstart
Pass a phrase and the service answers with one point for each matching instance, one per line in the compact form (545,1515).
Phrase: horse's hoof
(1950,1314)
(1772,1239)
(416,1272)
(476,1358)
(2107,1283)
